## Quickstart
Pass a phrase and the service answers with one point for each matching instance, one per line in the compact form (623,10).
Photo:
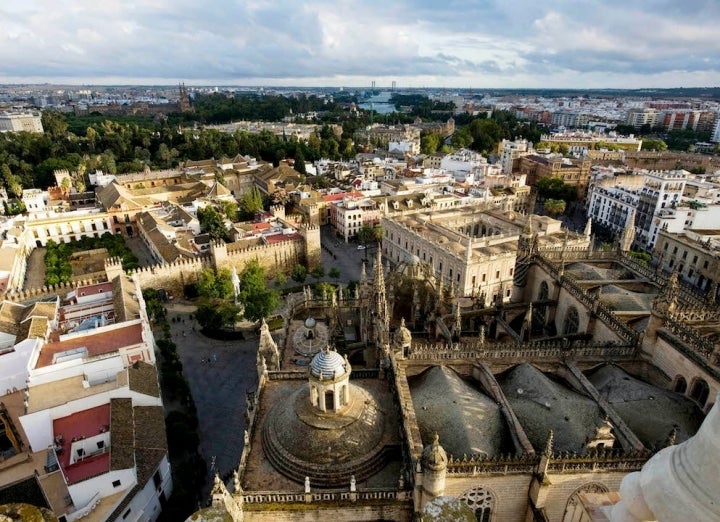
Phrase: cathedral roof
(467,421)
(650,412)
(327,364)
(542,404)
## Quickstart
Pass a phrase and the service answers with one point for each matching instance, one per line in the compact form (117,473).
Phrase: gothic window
(700,391)
(481,501)
(544,292)
(572,321)
(680,384)
(571,508)
(540,315)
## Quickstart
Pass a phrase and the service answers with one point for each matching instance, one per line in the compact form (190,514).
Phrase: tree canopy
(259,300)
(213,223)
(556,188)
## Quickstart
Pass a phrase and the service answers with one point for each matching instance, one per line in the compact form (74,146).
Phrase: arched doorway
(573,511)
(481,501)
(329,400)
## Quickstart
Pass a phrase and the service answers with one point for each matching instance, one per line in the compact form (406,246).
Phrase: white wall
(14,366)
(146,504)
(38,425)
(82,492)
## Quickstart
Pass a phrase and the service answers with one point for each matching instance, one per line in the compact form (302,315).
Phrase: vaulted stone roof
(467,420)
(542,404)
(649,411)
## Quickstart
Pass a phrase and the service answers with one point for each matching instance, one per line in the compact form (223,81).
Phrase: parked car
(361,247)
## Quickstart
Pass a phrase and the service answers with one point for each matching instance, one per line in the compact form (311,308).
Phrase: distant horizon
(364,87)
(524,44)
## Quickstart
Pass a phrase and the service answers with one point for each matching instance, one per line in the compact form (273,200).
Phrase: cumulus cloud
(417,42)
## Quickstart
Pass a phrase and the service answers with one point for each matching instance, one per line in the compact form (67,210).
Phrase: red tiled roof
(261,226)
(279,238)
(97,344)
(95,289)
(83,424)
(333,197)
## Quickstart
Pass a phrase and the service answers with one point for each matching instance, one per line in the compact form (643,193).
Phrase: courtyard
(219,373)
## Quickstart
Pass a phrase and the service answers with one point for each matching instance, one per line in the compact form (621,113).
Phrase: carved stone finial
(549,444)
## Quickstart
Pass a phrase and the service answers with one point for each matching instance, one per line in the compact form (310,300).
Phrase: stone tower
(113,268)
(218,253)
(311,237)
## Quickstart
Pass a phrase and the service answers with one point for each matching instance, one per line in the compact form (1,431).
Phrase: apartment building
(653,206)
(347,216)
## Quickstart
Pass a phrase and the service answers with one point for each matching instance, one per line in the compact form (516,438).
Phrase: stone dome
(301,441)
(309,322)
(328,364)
(434,456)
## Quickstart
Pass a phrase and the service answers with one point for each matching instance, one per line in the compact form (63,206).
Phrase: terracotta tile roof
(333,197)
(122,434)
(143,379)
(97,288)
(32,328)
(150,440)
(13,317)
(126,305)
(107,341)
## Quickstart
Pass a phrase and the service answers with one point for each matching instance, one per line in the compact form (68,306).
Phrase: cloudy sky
(453,43)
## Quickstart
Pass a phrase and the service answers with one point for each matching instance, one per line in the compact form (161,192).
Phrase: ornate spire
(458,320)
(628,233)
(482,334)
(588,228)
(528,230)
(363,275)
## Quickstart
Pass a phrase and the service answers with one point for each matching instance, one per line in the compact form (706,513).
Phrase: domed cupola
(328,364)
(329,378)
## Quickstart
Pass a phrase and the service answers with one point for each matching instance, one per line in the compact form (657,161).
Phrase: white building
(83,401)
(715,138)
(349,215)
(34,199)
(638,117)
(21,121)
(511,151)
(659,204)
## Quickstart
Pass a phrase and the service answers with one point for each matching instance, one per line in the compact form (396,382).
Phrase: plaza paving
(219,373)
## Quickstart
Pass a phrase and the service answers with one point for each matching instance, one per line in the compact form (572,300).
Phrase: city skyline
(584,45)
